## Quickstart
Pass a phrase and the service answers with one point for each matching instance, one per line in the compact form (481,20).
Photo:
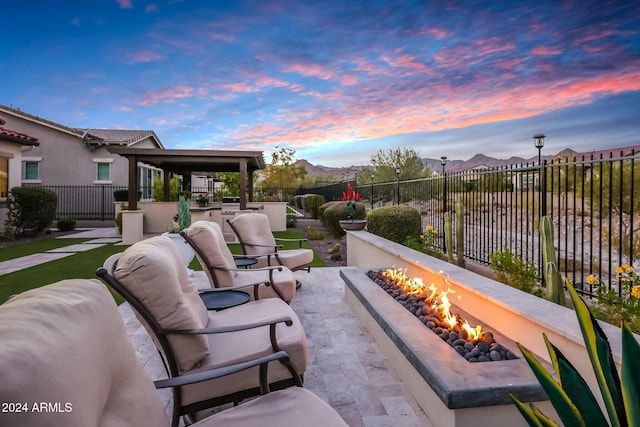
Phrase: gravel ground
(322,246)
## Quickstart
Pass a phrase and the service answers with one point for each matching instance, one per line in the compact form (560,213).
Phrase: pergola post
(133,183)
(243,183)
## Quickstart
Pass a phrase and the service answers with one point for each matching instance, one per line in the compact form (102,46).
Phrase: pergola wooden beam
(189,161)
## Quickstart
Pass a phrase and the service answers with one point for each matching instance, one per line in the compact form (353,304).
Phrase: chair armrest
(224,329)
(300,241)
(271,323)
(211,374)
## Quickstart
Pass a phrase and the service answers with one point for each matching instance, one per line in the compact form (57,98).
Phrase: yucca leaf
(527,412)
(575,386)
(567,411)
(631,375)
(542,418)
(604,367)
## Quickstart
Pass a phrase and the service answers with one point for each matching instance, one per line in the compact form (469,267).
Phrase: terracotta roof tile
(12,135)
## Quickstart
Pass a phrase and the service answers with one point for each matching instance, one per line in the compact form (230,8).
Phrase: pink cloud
(125,4)
(310,71)
(145,56)
(462,107)
(167,95)
(151,7)
(545,50)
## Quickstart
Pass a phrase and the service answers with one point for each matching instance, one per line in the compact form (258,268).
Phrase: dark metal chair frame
(170,363)
(244,245)
(212,271)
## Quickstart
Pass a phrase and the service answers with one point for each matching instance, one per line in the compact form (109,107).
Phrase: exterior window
(4,177)
(103,171)
(31,170)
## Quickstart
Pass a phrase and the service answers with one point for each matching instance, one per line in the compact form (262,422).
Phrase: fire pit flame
(437,301)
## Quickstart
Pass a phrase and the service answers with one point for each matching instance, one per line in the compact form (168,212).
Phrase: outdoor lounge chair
(256,240)
(214,255)
(67,361)
(152,278)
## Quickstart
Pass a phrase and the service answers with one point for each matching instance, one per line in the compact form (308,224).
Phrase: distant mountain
(452,165)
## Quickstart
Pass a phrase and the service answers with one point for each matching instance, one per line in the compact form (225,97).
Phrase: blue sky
(334,80)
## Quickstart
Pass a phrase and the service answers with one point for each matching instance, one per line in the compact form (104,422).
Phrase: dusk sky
(334,80)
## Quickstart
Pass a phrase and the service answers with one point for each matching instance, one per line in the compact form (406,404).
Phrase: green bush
(313,234)
(292,220)
(30,208)
(338,211)
(322,208)
(512,270)
(395,223)
(314,201)
(66,224)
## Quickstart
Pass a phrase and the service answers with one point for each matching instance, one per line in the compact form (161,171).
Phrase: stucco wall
(14,153)
(65,159)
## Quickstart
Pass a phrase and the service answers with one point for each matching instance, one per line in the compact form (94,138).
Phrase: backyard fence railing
(594,204)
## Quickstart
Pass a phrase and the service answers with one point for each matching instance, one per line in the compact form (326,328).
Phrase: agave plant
(569,393)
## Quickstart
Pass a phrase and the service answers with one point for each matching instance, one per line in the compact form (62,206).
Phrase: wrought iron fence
(594,204)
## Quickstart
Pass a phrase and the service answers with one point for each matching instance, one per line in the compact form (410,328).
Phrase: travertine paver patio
(345,367)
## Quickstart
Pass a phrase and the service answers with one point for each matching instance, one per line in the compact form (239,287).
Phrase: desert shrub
(314,201)
(395,223)
(66,224)
(514,271)
(30,208)
(292,220)
(322,208)
(313,234)
(338,211)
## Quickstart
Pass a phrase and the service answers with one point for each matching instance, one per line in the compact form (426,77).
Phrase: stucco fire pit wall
(516,315)
(451,391)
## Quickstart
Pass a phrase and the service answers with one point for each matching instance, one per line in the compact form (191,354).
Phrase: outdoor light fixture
(538,141)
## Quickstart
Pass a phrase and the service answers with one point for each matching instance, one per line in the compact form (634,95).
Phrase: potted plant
(202,200)
(351,197)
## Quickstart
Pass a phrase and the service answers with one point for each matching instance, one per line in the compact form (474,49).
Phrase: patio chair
(256,240)
(151,277)
(68,362)
(214,255)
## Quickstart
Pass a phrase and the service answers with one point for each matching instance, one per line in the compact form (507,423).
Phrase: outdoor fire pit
(451,391)
(433,308)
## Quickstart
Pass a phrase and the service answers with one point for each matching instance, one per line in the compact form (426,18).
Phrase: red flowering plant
(351,197)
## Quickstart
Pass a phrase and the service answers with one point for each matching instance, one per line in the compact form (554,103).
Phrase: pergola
(186,162)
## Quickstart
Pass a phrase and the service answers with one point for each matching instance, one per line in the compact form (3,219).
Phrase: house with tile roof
(12,144)
(77,159)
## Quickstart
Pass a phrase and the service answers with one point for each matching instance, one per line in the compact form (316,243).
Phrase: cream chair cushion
(208,237)
(254,229)
(153,272)
(292,407)
(65,345)
(250,344)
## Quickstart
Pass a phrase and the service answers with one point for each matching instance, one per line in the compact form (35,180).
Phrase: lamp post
(443,161)
(538,141)
(372,175)
(398,183)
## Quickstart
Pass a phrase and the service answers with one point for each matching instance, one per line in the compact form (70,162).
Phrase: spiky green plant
(555,290)
(448,236)
(184,212)
(569,393)
(460,231)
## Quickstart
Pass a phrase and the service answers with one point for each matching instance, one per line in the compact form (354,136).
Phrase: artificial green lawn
(84,264)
